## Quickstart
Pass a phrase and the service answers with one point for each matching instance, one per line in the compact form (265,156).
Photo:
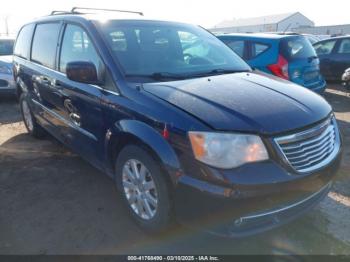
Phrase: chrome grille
(311,149)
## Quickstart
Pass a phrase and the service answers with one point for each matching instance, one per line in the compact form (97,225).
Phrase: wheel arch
(126,132)
(20,87)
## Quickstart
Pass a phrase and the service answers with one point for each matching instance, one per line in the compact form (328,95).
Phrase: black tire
(35,130)
(163,216)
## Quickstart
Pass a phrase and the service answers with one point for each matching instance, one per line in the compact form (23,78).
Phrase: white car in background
(7,83)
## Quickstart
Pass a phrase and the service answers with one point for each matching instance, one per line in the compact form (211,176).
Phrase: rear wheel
(29,120)
(144,189)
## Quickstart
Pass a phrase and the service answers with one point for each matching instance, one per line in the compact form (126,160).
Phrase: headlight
(5,70)
(227,150)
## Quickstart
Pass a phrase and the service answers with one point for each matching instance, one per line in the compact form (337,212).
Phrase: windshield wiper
(219,71)
(171,76)
(159,76)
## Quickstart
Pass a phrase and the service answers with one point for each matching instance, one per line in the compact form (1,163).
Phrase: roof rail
(58,12)
(74,10)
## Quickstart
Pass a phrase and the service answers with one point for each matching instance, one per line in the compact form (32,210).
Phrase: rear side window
(296,48)
(325,48)
(237,46)
(258,48)
(344,47)
(23,41)
(45,43)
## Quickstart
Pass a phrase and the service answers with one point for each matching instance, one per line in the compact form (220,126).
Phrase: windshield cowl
(165,76)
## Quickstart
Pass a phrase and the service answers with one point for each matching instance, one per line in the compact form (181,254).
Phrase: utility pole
(6,25)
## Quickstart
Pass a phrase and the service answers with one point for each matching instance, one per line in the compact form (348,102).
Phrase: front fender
(151,138)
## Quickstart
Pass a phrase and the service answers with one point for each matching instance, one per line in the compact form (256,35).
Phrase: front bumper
(7,84)
(270,198)
(317,85)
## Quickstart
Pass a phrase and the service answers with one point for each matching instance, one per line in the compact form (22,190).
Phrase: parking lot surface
(53,202)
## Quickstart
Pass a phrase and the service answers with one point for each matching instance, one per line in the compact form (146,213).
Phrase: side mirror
(83,72)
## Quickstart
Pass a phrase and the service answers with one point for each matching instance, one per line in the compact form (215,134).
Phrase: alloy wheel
(140,189)
(27,115)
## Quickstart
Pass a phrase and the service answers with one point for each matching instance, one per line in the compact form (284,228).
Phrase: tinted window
(325,48)
(45,43)
(344,47)
(258,48)
(77,46)
(237,46)
(296,48)
(148,47)
(6,47)
(23,41)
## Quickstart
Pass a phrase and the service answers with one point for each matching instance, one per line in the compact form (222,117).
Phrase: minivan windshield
(297,47)
(167,50)
(6,47)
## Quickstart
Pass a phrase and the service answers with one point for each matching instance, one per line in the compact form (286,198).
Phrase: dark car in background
(334,54)
(7,84)
(289,56)
(181,123)
(346,79)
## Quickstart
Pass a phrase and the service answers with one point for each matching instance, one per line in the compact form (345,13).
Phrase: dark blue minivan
(181,123)
(289,56)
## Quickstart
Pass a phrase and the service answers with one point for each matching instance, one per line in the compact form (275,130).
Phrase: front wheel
(143,188)
(29,120)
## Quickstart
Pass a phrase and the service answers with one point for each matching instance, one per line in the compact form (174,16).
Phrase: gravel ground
(52,202)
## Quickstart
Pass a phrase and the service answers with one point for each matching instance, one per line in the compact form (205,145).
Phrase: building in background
(324,30)
(271,23)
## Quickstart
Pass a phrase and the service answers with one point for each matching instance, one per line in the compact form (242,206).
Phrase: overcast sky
(206,13)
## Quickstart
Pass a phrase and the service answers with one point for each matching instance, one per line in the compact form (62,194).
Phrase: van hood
(244,102)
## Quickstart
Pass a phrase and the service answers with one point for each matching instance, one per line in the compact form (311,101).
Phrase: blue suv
(288,56)
(181,123)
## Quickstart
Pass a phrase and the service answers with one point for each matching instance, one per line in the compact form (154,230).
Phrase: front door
(325,51)
(341,58)
(80,104)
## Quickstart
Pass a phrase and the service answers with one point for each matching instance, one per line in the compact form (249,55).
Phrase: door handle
(75,118)
(36,78)
(72,112)
(57,84)
(45,81)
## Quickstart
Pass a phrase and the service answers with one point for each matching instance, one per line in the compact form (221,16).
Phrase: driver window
(77,46)
(344,47)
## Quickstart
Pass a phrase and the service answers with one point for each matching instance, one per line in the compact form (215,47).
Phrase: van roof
(100,16)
